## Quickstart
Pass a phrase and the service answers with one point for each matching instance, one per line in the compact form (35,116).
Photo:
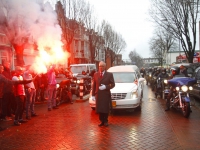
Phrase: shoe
(55,107)
(106,124)
(49,109)
(16,123)
(34,115)
(101,124)
(28,118)
(23,121)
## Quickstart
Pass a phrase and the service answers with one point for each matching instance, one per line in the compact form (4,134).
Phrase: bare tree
(161,43)
(114,43)
(136,58)
(178,17)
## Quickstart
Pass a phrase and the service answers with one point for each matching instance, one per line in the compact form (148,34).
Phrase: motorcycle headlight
(165,81)
(57,85)
(150,75)
(184,88)
(134,95)
(177,88)
(190,88)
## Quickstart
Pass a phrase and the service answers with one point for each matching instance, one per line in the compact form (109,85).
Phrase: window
(124,77)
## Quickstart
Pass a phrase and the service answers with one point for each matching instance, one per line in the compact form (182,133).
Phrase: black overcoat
(103,97)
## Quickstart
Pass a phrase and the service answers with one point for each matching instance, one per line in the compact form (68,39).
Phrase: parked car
(128,90)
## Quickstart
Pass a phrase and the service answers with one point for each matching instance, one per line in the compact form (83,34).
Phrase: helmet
(163,70)
(174,71)
(182,67)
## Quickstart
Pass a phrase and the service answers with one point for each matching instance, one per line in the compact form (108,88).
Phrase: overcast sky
(130,19)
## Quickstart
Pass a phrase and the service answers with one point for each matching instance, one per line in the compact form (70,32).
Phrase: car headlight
(57,85)
(190,88)
(177,88)
(134,95)
(165,81)
(74,81)
(184,88)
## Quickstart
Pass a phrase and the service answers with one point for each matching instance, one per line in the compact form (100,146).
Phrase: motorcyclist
(148,75)
(153,80)
(162,75)
(182,71)
(143,72)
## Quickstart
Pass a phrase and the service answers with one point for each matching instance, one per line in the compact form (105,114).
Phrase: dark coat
(103,97)
(8,88)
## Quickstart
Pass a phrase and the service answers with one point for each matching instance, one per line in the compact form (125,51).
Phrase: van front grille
(116,96)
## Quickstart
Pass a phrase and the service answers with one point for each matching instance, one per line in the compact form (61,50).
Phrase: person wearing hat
(183,71)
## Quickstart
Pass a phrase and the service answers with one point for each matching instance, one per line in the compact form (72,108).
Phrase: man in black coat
(103,81)
(8,103)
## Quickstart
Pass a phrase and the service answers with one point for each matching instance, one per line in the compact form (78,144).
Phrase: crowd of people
(21,88)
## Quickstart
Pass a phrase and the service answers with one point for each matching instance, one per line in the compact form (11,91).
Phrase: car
(128,90)
(196,87)
(189,66)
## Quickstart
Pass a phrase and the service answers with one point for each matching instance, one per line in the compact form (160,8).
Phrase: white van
(77,69)
(128,90)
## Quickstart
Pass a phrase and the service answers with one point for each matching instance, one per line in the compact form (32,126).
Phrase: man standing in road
(30,92)
(103,81)
(51,89)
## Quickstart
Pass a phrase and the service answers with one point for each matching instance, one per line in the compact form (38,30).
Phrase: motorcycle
(166,89)
(149,78)
(180,99)
(75,84)
(158,87)
(153,83)
(63,92)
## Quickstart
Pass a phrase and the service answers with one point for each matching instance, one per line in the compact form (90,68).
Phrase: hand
(102,87)
(93,98)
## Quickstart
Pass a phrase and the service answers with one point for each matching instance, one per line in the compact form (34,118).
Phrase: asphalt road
(75,126)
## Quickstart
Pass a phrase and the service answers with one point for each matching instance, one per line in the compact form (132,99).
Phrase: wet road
(75,126)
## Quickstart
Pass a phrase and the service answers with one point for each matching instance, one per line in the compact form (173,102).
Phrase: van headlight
(134,95)
(78,81)
(57,85)
(184,88)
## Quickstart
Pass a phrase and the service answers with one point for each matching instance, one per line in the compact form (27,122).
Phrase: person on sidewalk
(19,97)
(8,102)
(51,89)
(103,81)
(30,92)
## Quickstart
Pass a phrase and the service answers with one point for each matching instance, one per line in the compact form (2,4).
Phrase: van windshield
(78,69)
(124,77)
